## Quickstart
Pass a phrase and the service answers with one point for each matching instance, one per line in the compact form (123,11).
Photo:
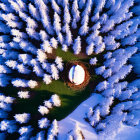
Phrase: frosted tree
(5,106)
(102,86)
(4,125)
(38,70)
(22,69)
(47,79)
(41,56)
(19,82)
(107,73)
(90,113)
(53,43)
(95,118)
(92,36)
(27,47)
(25,130)
(54,72)
(58,61)
(46,46)
(88,8)
(109,62)
(57,24)
(93,61)
(23,94)
(76,13)
(22,118)
(53,131)
(12,127)
(4,69)
(55,7)
(121,74)
(70,137)
(68,38)
(77,132)
(67,17)
(48,104)
(18,34)
(43,123)
(32,83)
(56,100)
(100,48)
(77,45)
(43,110)
(8,125)
(43,35)
(84,28)
(108,55)
(60,38)
(25,58)
(33,11)
(108,26)
(97,26)
(90,48)
(2,97)
(9,100)
(40,135)
(100,70)
(11,64)
(108,92)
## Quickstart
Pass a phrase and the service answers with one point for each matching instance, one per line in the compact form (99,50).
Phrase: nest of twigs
(66,73)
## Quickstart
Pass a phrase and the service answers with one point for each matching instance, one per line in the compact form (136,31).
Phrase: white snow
(77,115)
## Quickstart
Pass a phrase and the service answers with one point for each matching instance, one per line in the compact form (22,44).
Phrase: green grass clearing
(70,98)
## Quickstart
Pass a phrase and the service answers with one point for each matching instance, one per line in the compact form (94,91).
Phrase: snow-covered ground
(68,124)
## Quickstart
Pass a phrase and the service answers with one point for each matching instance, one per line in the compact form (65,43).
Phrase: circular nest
(66,73)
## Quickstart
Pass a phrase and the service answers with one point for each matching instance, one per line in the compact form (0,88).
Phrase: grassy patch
(66,56)
(70,98)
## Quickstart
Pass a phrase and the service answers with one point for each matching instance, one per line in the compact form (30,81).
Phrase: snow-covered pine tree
(57,24)
(58,61)
(43,123)
(76,13)
(93,61)
(25,130)
(55,7)
(46,46)
(102,86)
(47,79)
(32,84)
(53,131)
(100,70)
(90,48)
(54,72)
(77,45)
(43,110)
(56,100)
(22,118)
(77,132)
(19,82)
(95,117)
(23,94)
(40,135)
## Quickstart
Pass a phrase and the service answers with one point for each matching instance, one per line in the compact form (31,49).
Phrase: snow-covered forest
(106,31)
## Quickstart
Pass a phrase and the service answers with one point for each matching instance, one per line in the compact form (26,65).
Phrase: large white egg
(77,74)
